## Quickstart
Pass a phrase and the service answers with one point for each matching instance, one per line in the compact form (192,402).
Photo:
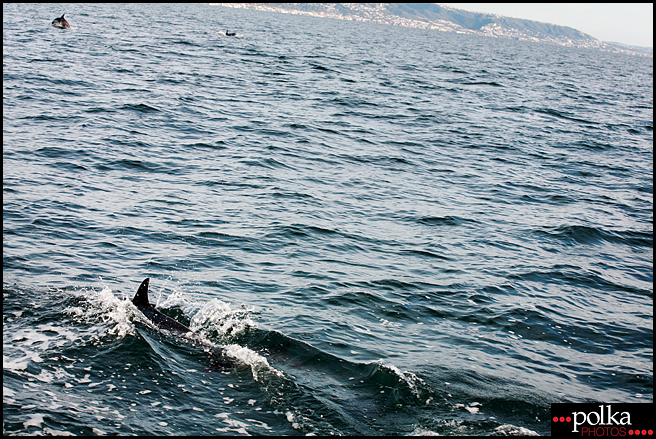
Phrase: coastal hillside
(447,19)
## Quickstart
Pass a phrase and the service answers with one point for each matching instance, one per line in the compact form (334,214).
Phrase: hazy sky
(627,23)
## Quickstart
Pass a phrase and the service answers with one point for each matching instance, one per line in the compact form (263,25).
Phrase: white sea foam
(259,365)
(216,316)
(35,420)
(512,430)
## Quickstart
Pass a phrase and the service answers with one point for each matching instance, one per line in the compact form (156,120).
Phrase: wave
(564,115)
(449,220)
(577,234)
(140,108)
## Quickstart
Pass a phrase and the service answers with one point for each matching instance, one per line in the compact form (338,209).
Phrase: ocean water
(373,229)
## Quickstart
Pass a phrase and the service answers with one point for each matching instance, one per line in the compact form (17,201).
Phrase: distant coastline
(447,19)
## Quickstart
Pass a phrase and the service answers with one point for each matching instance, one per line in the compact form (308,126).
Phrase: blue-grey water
(373,229)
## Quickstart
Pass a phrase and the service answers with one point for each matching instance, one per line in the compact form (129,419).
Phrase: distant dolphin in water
(228,34)
(61,22)
(157,318)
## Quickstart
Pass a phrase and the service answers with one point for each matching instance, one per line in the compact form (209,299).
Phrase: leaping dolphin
(61,22)
(157,318)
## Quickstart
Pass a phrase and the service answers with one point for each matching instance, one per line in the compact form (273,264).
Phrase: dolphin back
(157,318)
(162,321)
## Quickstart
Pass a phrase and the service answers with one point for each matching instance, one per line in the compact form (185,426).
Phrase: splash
(259,365)
(415,384)
(217,319)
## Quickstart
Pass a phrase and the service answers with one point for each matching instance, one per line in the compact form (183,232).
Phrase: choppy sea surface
(372,229)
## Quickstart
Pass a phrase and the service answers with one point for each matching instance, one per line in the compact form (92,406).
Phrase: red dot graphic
(555,419)
(569,419)
(562,419)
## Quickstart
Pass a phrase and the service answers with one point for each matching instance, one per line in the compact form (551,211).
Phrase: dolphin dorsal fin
(141,298)
(62,16)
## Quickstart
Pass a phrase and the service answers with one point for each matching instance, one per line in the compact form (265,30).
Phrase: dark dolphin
(157,318)
(231,34)
(216,353)
(61,22)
